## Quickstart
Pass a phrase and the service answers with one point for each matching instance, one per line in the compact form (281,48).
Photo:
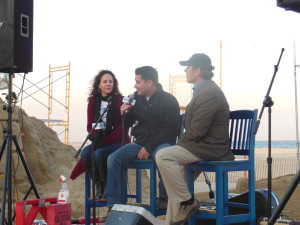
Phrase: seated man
(157,119)
(205,138)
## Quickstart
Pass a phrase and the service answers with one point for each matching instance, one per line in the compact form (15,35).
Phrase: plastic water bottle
(63,194)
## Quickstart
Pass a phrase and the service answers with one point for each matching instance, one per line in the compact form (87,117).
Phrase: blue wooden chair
(89,200)
(138,165)
(242,143)
(134,164)
(151,165)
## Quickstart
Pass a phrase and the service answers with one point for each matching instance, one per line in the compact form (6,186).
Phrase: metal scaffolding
(53,71)
(173,80)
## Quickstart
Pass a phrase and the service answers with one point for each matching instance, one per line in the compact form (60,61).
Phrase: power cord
(207,181)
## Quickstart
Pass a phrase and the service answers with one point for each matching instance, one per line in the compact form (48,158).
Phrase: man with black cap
(205,138)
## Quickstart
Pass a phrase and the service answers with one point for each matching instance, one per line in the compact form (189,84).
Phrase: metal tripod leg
(7,185)
(7,176)
(33,187)
(3,147)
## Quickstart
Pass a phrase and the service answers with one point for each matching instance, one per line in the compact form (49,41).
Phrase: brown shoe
(104,218)
(185,211)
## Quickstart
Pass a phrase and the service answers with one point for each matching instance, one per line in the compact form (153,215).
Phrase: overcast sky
(123,35)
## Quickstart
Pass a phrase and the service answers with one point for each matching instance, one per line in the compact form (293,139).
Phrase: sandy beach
(276,152)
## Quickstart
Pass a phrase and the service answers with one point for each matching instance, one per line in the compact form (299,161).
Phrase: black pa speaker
(16,35)
(293,5)
(133,215)
(261,202)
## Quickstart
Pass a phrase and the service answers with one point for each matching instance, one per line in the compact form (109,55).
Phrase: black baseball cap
(198,60)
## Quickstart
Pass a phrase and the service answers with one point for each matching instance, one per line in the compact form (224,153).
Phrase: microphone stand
(268,102)
(93,156)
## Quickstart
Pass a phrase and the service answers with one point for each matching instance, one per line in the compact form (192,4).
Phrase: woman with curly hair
(109,135)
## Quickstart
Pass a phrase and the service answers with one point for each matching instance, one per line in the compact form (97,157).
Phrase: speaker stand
(7,184)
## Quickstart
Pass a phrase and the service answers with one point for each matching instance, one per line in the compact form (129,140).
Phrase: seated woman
(109,135)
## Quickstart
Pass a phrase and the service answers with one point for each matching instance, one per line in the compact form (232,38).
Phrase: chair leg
(225,191)
(138,185)
(252,197)
(87,214)
(153,191)
(219,198)
(87,210)
(190,180)
(192,220)
(225,194)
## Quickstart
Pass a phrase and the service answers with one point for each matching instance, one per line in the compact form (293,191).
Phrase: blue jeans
(101,155)
(116,189)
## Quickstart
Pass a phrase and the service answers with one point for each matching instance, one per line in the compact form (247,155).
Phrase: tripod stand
(296,180)
(7,184)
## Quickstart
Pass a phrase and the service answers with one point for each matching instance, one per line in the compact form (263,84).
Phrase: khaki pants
(171,162)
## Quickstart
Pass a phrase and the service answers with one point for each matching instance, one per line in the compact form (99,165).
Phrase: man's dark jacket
(156,121)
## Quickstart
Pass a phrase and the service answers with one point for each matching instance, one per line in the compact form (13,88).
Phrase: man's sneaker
(184,212)
(162,203)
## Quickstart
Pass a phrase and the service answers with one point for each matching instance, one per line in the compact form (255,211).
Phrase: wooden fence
(280,167)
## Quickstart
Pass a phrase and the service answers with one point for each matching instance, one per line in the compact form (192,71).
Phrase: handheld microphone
(130,99)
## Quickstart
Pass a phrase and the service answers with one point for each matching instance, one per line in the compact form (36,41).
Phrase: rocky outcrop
(46,157)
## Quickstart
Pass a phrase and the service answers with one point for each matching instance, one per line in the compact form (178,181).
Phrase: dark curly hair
(94,91)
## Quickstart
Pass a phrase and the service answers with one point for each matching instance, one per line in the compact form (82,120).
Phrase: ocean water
(277,144)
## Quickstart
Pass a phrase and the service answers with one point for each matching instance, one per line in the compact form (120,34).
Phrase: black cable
(207,181)
(21,113)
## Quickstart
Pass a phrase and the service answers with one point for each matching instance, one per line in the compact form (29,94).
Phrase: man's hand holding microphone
(128,102)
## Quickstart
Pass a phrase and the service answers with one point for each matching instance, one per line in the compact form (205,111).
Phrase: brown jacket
(206,124)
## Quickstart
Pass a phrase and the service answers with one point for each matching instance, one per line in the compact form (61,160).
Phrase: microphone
(130,99)
(109,99)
